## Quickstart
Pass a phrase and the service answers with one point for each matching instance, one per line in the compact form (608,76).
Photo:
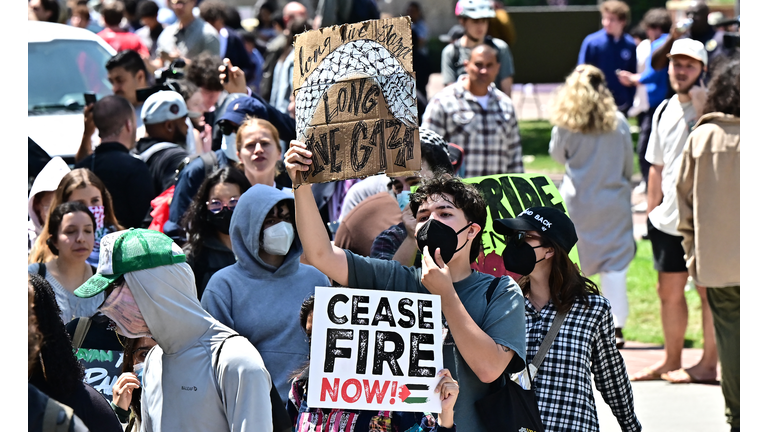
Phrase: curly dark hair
(465,196)
(724,88)
(203,71)
(196,216)
(566,283)
(306,307)
(58,374)
(213,10)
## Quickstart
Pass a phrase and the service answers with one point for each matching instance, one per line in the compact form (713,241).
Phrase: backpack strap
(51,416)
(210,161)
(83,324)
(491,289)
(41,270)
(547,342)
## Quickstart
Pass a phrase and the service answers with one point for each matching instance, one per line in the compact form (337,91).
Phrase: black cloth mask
(436,234)
(221,220)
(520,259)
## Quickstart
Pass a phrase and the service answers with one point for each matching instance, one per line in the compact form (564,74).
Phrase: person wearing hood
(164,114)
(256,295)
(41,196)
(149,290)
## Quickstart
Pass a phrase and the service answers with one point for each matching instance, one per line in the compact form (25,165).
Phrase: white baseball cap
(689,47)
(163,106)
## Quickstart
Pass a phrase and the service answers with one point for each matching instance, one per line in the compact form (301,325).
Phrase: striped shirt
(584,346)
(489,136)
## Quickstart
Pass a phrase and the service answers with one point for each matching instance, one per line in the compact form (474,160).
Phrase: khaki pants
(724,303)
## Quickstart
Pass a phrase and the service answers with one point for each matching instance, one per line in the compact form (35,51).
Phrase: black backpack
(281,422)
(363,10)
(210,161)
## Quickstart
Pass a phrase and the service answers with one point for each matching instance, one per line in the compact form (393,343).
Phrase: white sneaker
(640,188)
(640,207)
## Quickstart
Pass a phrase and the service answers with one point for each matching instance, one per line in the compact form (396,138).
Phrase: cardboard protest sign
(375,350)
(355,93)
(506,196)
(102,368)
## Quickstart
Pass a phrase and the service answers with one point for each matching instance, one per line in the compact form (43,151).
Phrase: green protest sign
(506,196)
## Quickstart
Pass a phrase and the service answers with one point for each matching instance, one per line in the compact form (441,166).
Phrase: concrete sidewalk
(661,406)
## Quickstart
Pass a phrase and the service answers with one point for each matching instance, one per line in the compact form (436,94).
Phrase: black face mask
(221,220)
(520,258)
(436,234)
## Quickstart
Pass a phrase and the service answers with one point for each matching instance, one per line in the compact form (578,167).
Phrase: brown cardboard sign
(355,93)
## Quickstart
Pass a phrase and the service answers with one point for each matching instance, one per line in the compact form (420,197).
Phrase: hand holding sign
(297,159)
(449,392)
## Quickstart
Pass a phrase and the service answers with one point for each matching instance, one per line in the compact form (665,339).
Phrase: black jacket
(213,256)
(127,179)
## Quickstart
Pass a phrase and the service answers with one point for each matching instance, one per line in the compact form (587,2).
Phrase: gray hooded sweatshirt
(182,391)
(261,301)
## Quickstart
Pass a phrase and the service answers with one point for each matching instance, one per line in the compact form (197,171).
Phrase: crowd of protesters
(180,226)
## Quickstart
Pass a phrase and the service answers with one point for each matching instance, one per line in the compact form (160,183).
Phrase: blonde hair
(76,179)
(255,121)
(584,103)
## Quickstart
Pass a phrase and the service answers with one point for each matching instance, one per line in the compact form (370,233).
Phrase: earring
(42,364)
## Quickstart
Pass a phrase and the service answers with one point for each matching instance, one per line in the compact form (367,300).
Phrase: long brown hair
(566,283)
(73,180)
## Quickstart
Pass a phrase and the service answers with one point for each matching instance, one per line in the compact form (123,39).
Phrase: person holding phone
(672,122)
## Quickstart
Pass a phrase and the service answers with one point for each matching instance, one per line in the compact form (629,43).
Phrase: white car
(64,62)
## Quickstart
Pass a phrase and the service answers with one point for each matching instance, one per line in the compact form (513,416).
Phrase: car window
(60,71)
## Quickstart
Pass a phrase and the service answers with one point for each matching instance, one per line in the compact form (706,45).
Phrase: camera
(167,78)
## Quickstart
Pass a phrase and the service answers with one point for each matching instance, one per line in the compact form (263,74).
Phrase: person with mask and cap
(258,294)
(556,294)
(484,334)
(197,366)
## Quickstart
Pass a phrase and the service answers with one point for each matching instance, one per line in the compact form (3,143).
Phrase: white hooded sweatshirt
(181,391)
(46,181)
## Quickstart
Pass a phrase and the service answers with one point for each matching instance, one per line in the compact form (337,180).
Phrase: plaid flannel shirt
(586,342)
(490,137)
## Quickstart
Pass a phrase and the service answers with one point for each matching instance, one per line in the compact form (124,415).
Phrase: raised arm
(318,249)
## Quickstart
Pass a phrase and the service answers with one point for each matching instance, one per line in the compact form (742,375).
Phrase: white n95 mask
(229,145)
(278,238)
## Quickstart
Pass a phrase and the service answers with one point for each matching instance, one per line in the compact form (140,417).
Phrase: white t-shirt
(665,147)
(483,100)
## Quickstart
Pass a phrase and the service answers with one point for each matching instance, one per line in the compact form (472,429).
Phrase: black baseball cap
(552,223)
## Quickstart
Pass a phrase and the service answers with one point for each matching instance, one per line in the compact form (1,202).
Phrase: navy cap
(241,107)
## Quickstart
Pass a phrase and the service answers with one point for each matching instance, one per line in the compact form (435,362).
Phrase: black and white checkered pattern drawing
(359,58)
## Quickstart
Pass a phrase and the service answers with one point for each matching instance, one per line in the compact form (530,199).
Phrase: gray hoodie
(261,301)
(181,390)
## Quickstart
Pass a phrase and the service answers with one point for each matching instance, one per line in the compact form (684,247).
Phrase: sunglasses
(518,237)
(227,128)
(215,206)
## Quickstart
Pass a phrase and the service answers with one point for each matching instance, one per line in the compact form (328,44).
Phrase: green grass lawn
(644,323)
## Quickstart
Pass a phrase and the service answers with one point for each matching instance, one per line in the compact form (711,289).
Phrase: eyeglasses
(227,128)
(140,354)
(518,237)
(215,206)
